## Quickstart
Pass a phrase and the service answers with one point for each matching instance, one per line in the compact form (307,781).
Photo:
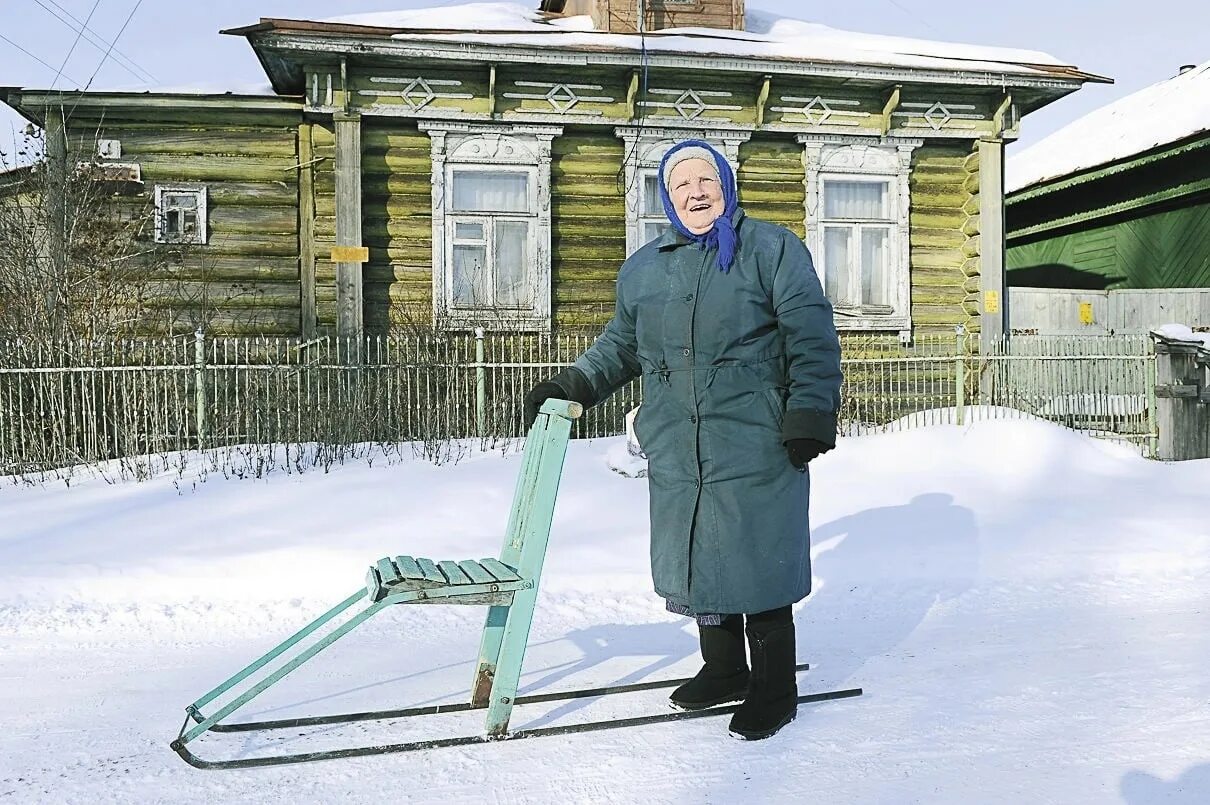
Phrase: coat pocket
(775,398)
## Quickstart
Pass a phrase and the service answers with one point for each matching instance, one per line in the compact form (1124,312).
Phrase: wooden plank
(349,299)
(387,571)
(453,573)
(475,572)
(430,571)
(306,228)
(501,571)
(408,568)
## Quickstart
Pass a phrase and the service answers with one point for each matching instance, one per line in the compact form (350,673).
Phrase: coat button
(688,297)
(693,420)
(687,352)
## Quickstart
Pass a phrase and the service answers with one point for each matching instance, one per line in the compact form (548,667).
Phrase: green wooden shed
(494,170)
(1119,199)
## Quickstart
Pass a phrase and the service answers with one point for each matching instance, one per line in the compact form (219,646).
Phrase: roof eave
(1054,184)
(32,103)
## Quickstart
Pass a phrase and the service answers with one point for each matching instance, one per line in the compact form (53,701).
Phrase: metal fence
(73,403)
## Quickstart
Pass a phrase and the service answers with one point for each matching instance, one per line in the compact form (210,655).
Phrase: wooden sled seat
(421,580)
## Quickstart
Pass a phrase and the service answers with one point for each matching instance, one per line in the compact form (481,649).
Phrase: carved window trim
(488,147)
(840,157)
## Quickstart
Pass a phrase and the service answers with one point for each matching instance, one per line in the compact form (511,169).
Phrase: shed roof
(1172,110)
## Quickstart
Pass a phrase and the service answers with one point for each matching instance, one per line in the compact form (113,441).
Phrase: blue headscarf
(722,235)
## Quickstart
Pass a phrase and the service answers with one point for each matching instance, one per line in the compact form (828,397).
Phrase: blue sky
(178,43)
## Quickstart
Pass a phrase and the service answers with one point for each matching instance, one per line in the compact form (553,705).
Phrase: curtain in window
(468,276)
(874,266)
(511,248)
(653,229)
(651,195)
(491,191)
(836,248)
(861,200)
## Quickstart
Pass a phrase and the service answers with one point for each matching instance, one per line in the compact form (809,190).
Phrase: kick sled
(507,586)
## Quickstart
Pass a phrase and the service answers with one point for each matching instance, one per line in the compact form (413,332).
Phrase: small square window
(180,214)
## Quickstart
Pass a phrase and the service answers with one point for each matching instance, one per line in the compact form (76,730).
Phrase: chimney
(622,16)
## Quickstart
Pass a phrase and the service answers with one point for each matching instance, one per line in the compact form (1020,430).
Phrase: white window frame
(857,226)
(644,149)
(162,212)
(465,146)
(863,159)
(488,220)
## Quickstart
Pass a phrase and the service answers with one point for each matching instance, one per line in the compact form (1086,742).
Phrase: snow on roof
(767,35)
(1162,113)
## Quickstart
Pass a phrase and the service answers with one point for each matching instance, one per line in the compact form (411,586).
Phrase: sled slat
(501,571)
(430,571)
(387,571)
(475,572)
(453,572)
(408,568)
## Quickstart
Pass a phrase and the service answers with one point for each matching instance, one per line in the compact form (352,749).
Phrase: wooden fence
(76,403)
(1055,311)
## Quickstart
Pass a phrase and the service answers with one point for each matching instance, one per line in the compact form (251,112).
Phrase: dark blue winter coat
(732,365)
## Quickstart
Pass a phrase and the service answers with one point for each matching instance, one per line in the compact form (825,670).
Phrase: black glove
(570,384)
(803,450)
(538,395)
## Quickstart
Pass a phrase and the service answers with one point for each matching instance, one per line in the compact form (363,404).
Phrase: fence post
(480,386)
(1153,428)
(960,374)
(1182,390)
(199,384)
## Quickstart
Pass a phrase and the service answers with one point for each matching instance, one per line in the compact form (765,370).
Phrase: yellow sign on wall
(1086,314)
(350,254)
(991,301)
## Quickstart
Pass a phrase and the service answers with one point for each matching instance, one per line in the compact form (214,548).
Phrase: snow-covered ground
(1025,608)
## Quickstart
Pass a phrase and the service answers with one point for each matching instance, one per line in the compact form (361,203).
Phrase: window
(180,214)
(644,149)
(857,206)
(490,248)
(491,225)
(857,233)
(652,220)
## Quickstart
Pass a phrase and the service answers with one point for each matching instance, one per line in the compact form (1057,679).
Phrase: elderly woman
(725,320)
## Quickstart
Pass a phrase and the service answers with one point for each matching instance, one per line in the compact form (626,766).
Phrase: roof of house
(766,36)
(1164,113)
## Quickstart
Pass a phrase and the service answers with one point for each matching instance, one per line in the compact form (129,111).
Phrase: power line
(35,58)
(124,61)
(75,42)
(111,44)
(914,15)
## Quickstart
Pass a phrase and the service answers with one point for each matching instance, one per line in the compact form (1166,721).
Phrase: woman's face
(696,195)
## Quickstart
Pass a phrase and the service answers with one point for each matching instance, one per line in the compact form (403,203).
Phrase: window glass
(836,249)
(468,277)
(511,248)
(855,199)
(491,191)
(874,265)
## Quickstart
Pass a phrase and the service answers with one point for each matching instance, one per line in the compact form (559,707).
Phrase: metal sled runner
(507,586)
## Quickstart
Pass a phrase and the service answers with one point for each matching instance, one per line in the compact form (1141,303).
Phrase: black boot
(724,677)
(772,700)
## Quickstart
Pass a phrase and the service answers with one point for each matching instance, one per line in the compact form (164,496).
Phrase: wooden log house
(498,174)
